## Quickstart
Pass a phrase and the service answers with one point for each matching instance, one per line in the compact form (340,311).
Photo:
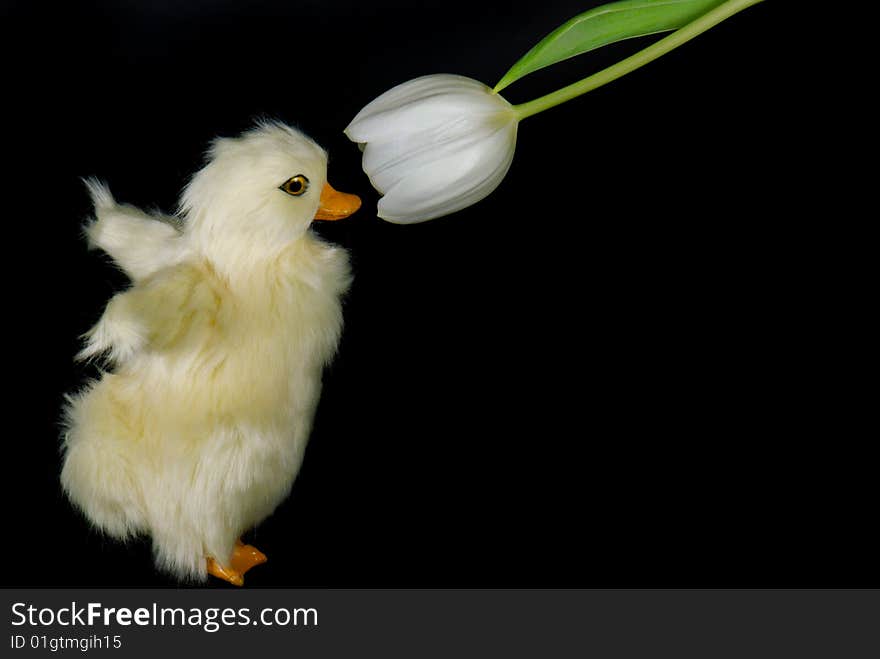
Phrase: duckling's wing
(178,307)
(140,243)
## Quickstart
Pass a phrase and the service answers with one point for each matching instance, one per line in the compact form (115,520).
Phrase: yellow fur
(199,431)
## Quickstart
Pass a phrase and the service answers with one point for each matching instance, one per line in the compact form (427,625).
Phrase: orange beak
(335,205)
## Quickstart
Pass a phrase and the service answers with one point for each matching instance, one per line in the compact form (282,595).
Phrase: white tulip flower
(434,145)
(439,143)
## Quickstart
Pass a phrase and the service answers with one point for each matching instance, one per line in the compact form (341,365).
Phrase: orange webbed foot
(227,574)
(244,557)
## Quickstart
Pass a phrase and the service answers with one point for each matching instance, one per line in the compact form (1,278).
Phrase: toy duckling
(218,347)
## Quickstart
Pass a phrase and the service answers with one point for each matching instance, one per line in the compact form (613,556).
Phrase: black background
(629,366)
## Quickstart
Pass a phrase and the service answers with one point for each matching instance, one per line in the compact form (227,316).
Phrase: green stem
(649,54)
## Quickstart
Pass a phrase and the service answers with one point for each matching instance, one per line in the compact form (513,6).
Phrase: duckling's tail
(95,475)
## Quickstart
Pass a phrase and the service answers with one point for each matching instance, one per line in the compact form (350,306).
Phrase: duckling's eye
(295,185)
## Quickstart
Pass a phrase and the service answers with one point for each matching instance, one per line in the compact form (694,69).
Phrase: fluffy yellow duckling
(198,432)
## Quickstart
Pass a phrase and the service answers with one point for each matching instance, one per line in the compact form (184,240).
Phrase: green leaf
(604,25)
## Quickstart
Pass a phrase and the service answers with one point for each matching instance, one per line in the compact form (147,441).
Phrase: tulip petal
(416,107)
(387,162)
(451,182)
